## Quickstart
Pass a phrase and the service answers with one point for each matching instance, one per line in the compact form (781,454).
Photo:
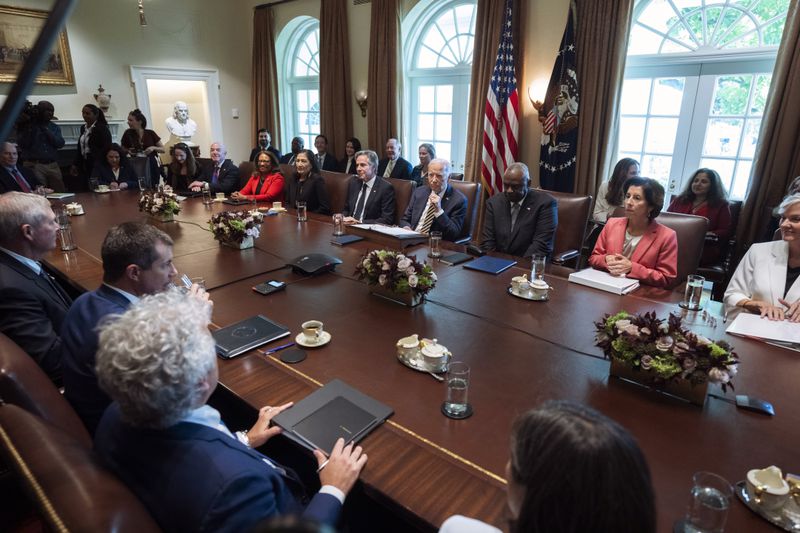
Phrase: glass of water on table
(708,504)
(456,404)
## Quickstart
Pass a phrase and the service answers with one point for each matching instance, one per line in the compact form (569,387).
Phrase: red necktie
(20,181)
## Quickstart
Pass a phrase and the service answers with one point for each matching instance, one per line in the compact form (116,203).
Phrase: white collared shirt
(132,298)
(27,261)
(370,184)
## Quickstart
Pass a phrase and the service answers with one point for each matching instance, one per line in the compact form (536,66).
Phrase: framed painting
(19,29)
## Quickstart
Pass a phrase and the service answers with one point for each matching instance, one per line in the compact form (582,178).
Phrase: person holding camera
(39,143)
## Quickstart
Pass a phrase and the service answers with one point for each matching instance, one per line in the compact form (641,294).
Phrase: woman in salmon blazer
(266,182)
(636,246)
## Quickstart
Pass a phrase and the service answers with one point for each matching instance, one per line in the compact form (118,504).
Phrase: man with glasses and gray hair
(437,206)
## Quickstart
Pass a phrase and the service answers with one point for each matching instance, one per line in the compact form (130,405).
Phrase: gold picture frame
(19,29)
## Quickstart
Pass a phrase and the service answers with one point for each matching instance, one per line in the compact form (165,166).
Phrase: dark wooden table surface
(521,354)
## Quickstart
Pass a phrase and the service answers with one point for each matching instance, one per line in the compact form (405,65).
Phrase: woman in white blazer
(766,280)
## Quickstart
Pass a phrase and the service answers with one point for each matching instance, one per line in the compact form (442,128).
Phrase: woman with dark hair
(94,140)
(184,168)
(348,164)
(419,174)
(306,185)
(115,171)
(636,245)
(141,142)
(573,470)
(609,194)
(266,182)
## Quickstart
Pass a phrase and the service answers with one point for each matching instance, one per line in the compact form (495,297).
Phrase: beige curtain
(777,158)
(264,94)
(601,35)
(336,100)
(383,85)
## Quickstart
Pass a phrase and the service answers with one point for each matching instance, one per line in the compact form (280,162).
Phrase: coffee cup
(220,196)
(767,488)
(519,284)
(540,288)
(434,354)
(277,205)
(102,188)
(312,331)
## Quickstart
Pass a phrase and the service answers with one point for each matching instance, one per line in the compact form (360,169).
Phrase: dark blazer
(534,231)
(105,176)
(228,179)
(416,176)
(312,192)
(79,345)
(454,205)
(99,141)
(330,163)
(287,159)
(8,183)
(401,170)
(195,478)
(379,207)
(343,166)
(32,313)
(270,148)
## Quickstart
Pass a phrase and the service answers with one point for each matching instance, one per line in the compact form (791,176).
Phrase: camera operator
(39,140)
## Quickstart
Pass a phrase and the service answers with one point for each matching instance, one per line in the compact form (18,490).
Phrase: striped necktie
(427,222)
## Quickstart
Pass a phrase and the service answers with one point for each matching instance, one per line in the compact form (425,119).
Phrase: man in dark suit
(325,161)
(222,175)
(437,206)
(264,143)
(297,145)
(137,260)
(32,305)
(521,221)
(370,198)
(157,361)
(394,166)
(13,177)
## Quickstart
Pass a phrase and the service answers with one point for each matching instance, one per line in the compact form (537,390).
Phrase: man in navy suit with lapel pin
(160,437)
(437,206)
(521,221)
(222,175)
(32,305)
(12,176)
(370,198)
(137,260)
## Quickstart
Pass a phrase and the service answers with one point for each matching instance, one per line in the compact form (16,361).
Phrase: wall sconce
(538,87)
(361,100)
(142,20)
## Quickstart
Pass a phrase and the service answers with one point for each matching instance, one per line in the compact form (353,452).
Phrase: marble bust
(179,124)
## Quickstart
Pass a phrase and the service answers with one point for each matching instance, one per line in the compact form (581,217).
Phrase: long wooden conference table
(521,354)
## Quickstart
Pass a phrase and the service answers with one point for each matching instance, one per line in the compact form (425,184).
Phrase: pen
(276,349)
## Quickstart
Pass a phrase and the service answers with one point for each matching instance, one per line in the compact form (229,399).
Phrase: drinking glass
(538,263)
(435,239)
(200,282)
(693,293)
(65,236)
(62,215)
(456,403)
(301,212)
(93,183)
(708,504)
(338,224)
(206,195)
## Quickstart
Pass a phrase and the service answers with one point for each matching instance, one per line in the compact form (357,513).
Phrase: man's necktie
(389,167)
(514,214)
(320,159)
(427,222)
(56,288)
(359,212)
(23,185)
(215,175)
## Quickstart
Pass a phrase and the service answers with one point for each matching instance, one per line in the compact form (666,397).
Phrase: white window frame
(292,36)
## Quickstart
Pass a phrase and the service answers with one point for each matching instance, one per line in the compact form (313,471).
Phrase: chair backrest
(246,169)
(65,480)
(336,185)
(24,384)
(403,189)
(457,176)
(691,232)
(573,215)
(286,170)
(472,191)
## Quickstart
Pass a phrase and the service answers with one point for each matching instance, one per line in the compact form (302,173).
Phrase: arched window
(438,40)
(696,81)
(298,46)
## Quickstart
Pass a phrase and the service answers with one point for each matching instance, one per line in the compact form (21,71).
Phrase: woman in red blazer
(637,246)
(266,182)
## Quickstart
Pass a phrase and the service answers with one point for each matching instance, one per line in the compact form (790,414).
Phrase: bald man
(222,175)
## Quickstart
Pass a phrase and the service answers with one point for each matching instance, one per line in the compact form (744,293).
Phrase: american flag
(501,114)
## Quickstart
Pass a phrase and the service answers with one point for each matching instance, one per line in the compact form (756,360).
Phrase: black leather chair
(573,215)
(336,186)
(403,189)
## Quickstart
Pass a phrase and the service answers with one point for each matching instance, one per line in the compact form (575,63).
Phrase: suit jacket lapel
(644,244)
(23,270)
(524,209)
(777,272)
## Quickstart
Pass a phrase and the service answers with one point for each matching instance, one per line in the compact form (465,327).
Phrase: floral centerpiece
(396,276)
(162,204)
(646,349)
(236,228)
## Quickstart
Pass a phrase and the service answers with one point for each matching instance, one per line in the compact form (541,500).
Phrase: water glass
(65,237)
(538,263)
(708,504)
(62,216)
(93,183)
(200,282)
(301,212)
(435,239)
(206,196)
(693,293)
(456,403)
(338,224)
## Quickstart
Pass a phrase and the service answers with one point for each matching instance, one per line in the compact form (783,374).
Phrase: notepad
(456,258)
(599,279)
(755,326)
(341,240)
(247,334)
(492,265)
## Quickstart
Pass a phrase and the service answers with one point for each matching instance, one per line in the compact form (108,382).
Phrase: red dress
(271,189)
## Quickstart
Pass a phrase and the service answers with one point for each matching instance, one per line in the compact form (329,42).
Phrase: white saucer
(324,339)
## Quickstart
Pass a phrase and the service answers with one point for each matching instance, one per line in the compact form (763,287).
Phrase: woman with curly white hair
(173,450)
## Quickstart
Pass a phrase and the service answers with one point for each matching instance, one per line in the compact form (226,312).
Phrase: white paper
(750,325)
(600,279)
(395,231)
